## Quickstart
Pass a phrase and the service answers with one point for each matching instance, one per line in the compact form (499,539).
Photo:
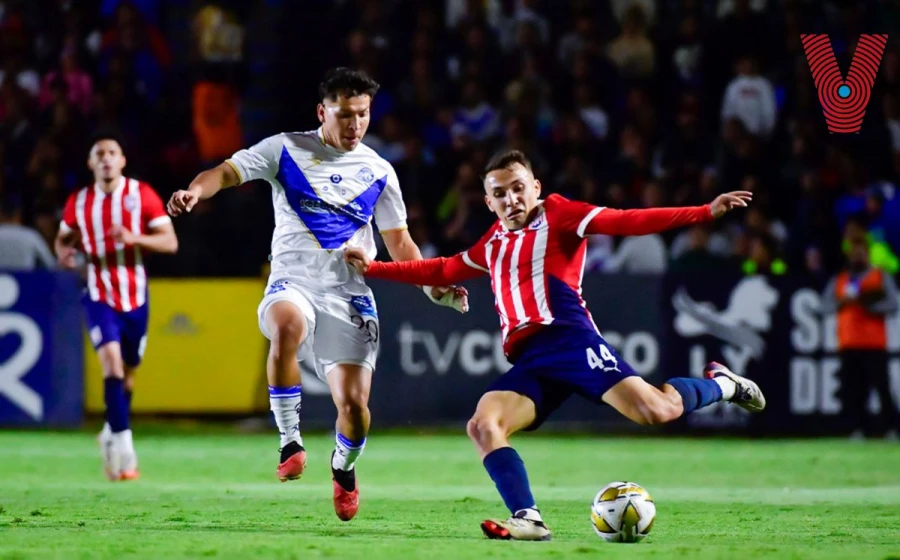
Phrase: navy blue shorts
(559,362)
(129,329)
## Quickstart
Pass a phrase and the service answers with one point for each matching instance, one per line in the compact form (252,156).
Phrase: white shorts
(341,328)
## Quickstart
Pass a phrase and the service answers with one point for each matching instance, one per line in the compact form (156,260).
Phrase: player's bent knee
(287,336)
(111,360)
(352,408)
(483,429)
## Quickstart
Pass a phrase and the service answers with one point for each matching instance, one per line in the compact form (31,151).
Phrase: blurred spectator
(694,252)
(645,254)
(862,296)
(217,126)
(72,81)
(475,118)
(627,103)
(15,72)
(763,256)
(750,98)
(21,248)
(880,255)
(632,51)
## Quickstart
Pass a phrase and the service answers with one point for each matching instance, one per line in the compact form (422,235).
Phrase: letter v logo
(844,101)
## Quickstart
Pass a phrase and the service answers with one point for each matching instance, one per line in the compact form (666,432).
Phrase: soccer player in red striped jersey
(534,255)
(114,221)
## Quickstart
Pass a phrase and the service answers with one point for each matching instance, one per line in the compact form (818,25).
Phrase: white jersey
(324,200)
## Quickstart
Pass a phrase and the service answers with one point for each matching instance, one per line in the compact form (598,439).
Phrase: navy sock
(116,404)
(508,472)
(696,393)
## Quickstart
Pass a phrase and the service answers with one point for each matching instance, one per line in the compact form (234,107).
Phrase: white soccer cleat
(747,394)
(517,528)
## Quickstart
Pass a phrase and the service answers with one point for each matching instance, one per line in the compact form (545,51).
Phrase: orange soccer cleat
(129,475)
(346,502)
(293,461)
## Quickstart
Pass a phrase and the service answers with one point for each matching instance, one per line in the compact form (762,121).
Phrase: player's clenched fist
(358,259)
(181,202)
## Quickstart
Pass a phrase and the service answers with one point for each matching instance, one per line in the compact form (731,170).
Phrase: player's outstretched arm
(204,186)
(610,221)
(402,248)
(428,272)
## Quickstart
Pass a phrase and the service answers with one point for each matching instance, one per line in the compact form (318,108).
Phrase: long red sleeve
(441,271)
(610,221)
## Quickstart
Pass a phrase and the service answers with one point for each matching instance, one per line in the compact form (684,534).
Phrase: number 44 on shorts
(605,361)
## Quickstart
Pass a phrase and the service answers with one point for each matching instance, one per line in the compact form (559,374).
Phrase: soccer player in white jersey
(326,188)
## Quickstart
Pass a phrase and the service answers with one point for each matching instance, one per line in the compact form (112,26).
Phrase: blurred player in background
(535,257)
(326,188)
(113,221)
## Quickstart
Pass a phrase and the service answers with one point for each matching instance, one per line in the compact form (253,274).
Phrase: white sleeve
(259,161)
(390,211)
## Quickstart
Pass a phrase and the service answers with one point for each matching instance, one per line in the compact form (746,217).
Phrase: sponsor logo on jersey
(364,305)
(336,178)
(365,175)
(131,202)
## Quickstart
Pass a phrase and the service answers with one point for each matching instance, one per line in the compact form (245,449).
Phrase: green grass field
(215,495)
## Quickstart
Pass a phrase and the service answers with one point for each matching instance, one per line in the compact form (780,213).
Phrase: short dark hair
(107,134)
(347,82)
(505,160)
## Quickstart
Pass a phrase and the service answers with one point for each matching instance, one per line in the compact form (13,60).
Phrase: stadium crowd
(626,103)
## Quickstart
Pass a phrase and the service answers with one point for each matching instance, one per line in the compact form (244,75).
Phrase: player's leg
(350,385)
(288,320)
(880,379)
(133,345)
(853,392)
(286,326)
(114,443)
(104,329)
(516,401)
(648,405)
(346,348)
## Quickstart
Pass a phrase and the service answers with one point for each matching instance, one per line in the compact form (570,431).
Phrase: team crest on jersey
(336,178)
(131,202)
(537,222)
(365,175)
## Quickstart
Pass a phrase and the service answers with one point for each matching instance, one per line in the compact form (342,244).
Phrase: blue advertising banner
(41,350)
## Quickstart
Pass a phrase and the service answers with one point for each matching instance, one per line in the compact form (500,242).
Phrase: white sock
(727,385)
(123,442)
(285,405)
(106,431)
(532,514)
(346,452)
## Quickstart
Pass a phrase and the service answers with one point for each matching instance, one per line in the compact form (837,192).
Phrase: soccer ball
(623,512)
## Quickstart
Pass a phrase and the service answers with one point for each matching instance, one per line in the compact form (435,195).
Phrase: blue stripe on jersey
(331,225)
(566,305)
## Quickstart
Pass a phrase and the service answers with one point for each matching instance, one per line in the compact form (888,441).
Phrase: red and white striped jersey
(536,271)
(116,273)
